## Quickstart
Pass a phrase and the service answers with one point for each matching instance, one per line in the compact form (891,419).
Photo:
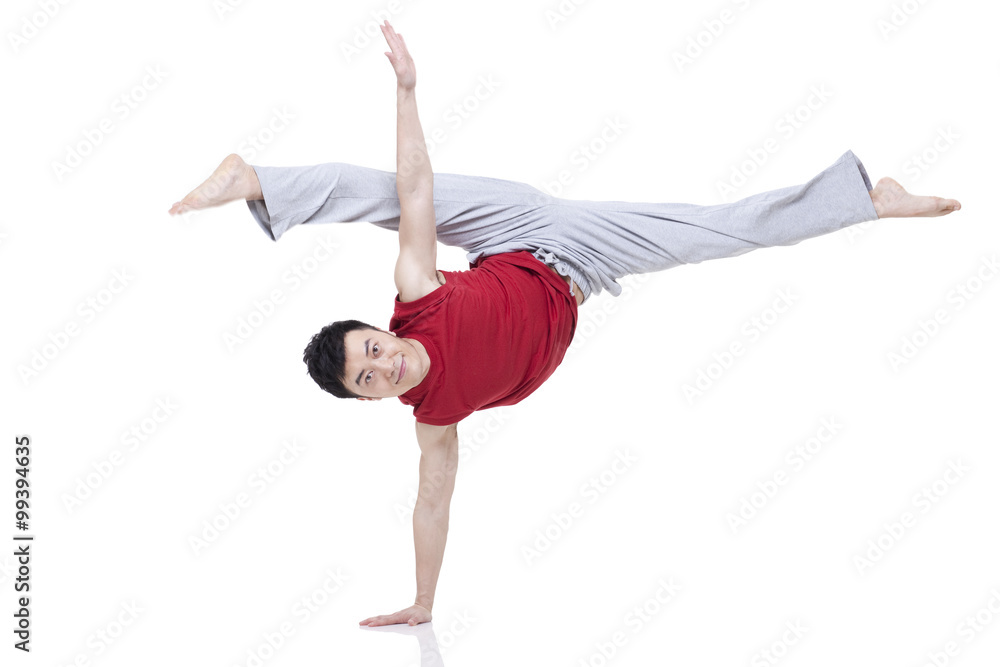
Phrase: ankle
(877,203)
(252,189)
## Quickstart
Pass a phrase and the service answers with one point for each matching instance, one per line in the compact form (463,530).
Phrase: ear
(391,333)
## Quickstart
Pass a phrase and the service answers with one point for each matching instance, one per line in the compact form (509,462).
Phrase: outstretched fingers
(412,615)
(394,39)
(391,619)
(399,57)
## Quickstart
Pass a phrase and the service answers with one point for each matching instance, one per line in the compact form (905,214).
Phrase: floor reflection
(430,653)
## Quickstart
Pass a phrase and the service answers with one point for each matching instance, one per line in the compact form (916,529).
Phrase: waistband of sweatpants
(564,268)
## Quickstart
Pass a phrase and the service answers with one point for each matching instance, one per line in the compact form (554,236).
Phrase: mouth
(402,370)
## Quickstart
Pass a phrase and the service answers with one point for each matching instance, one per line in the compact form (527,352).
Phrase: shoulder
(416,287)
(426,307)
(431,435)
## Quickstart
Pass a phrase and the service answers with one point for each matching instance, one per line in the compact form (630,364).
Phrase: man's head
(351,359)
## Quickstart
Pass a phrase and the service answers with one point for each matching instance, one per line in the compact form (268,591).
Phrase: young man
(460,341)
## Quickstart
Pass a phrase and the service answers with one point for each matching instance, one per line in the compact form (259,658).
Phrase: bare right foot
(891,200)
(233,179)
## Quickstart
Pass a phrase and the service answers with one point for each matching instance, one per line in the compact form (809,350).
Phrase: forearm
(413,166)
(430,532)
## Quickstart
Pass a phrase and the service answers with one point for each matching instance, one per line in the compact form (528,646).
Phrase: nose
(386,365)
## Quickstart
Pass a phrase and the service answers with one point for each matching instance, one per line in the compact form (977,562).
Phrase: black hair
(325,356)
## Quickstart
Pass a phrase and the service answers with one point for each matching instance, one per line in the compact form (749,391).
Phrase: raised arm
(416,271)
(438,466)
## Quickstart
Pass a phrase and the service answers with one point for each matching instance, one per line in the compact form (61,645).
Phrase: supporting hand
(412,615)
(402,63)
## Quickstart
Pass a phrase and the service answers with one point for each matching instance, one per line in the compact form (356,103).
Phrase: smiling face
(379,364)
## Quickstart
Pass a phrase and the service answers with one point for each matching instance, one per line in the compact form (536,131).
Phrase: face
(381,365)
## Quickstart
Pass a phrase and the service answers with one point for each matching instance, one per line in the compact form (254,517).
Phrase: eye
(375,349)
(368,377)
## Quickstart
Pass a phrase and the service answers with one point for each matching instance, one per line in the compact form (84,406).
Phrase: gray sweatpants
(594,243)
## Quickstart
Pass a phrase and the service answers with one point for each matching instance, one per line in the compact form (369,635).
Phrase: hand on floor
(412,615)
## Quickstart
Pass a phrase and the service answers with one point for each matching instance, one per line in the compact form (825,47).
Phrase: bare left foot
(233,179)
(891,200)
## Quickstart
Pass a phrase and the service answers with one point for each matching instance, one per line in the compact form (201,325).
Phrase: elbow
(434,495)
(416,188)
(434,508)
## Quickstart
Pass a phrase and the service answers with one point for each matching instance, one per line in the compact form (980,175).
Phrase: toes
(947,204)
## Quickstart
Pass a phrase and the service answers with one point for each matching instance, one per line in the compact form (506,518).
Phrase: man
(469,340)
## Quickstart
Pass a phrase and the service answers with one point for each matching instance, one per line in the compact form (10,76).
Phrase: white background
(337,505)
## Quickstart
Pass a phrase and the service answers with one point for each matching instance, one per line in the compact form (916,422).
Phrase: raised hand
(402,63)
(412,615)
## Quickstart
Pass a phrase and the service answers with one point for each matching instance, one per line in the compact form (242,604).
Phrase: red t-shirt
(494,333)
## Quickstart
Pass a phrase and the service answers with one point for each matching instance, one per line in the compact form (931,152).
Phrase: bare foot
(891,200)
(233,179)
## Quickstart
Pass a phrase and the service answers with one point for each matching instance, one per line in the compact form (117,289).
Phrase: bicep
(416,266)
